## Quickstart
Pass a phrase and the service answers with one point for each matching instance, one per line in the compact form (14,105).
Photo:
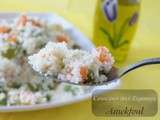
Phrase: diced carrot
(4,29)
(62,38)
(36,23)
(84,72)
(103,58)
(103,54)
(22,20)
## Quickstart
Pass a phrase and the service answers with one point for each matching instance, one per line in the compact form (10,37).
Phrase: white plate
(83,42)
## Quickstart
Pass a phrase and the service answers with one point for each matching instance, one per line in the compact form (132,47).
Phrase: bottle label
(116,25)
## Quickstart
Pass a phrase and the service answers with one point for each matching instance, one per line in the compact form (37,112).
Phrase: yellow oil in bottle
(115,25)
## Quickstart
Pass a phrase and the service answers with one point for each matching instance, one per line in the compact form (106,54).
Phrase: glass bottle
(115,25)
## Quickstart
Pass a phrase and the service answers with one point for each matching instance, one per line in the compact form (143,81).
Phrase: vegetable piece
(36,23)
(84,72)
(91,76)
(22,20)
(103,54)
(69,88)
(12,38)
(4,29)
(3,100)
(10,53)
(62,38)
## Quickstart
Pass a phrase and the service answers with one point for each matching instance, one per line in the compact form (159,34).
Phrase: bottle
(115,25)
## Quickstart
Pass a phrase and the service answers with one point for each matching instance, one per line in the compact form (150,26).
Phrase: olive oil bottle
(115,25)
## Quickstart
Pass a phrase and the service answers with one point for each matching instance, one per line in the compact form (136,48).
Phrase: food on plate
(19,84)
(74,65)
(51,50)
